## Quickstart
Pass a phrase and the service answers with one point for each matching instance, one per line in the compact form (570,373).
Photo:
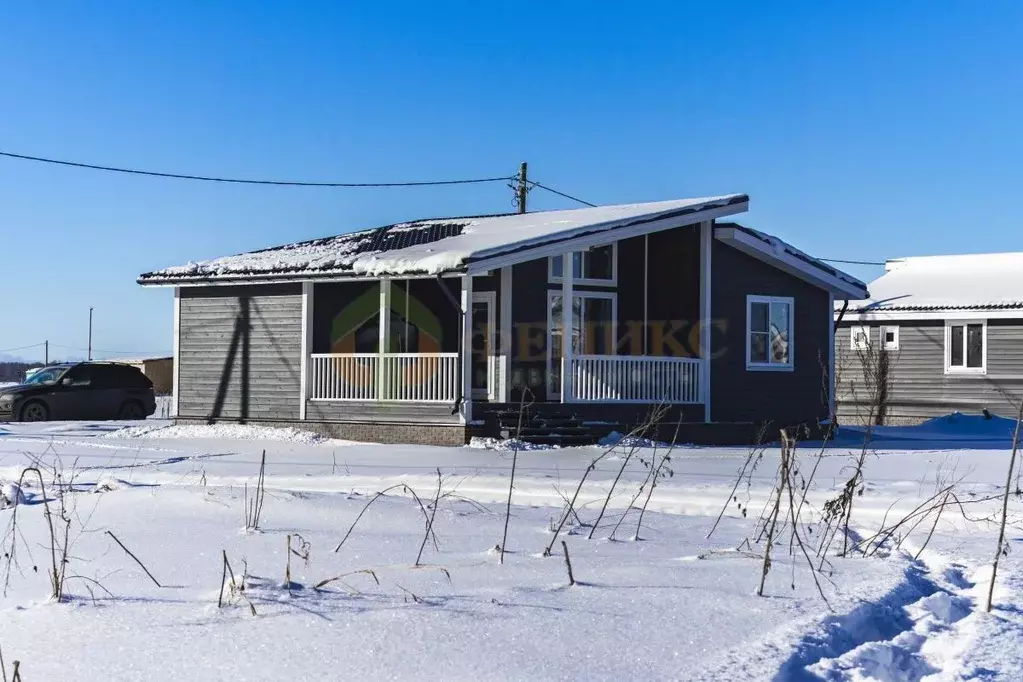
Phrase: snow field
(673,605)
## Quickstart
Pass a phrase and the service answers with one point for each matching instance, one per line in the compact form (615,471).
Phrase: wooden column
(566,327)
(307,345)
(466,348)
(504,390)
(706,321)
(385,336)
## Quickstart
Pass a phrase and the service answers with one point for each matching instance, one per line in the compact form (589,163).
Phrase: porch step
(546,424)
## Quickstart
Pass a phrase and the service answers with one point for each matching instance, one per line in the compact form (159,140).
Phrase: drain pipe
(841,314)
(461,343)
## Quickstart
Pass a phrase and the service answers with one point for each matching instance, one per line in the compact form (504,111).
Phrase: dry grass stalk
(132,555)
(782,482)
(254,507)
(582,481)
(1002,549)
(433,515)
(515,460)
(404,488)
(568,563)
(340,578)
(753,459)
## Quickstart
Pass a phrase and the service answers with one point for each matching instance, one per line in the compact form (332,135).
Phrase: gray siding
(254,378)
(918,386)
(782,397)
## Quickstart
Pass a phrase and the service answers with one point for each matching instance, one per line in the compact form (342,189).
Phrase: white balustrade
(407,377)
(636,379)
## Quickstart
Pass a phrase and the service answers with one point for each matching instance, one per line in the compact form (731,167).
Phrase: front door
(483,333)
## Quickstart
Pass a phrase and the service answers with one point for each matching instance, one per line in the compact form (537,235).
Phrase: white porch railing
(636,379)
(404,377)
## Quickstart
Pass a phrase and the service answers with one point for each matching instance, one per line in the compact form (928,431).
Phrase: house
(434,330)
(938,334)
(159,370)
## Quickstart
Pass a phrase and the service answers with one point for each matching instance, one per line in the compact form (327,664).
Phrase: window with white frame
(598,265)
(769,333)
(889,338)
(965,347)
(859,338)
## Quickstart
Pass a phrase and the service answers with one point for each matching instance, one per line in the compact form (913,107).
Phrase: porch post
(307,346)
(385,336)
(504,390)
(706,323)
(566,327)
(466,349)
(831,358)
(176,385)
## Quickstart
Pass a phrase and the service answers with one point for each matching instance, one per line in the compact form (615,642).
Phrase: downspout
(461,342)
(841,314)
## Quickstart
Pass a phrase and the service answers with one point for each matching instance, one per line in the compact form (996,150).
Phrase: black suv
(84,390)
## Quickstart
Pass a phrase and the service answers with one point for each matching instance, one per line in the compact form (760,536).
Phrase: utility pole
(522,188)
(46,353)
(90,332)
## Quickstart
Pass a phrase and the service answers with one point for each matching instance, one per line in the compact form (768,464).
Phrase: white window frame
(954,370)
(854,333)
(556,279)
(771,366)
(894,345)
(551,295)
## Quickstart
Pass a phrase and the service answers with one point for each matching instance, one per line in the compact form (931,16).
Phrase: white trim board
(604,237)
(786,262)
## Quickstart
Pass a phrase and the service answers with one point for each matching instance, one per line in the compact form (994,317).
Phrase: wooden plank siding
(919,389)
(259,379)
(784,398)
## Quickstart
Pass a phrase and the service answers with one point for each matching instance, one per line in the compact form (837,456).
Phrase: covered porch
(441,349)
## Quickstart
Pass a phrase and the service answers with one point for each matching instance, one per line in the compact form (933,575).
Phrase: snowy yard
(670,605)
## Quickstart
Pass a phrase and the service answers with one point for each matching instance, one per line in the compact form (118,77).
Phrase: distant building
(159,370)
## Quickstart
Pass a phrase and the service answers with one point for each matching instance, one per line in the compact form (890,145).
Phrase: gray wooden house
(435,330)
(938,334)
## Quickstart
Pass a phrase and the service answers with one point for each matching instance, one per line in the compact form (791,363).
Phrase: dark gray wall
(782,397)
(240,352)
(918,386)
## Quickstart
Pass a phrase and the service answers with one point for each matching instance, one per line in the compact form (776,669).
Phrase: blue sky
(861,130)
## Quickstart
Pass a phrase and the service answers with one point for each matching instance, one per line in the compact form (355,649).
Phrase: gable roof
(990,281)
(784,256)
(438,245)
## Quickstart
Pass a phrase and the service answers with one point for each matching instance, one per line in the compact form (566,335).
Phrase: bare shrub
(254,507)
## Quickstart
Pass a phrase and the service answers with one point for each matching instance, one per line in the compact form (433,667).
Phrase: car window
(106,377)
(78,376)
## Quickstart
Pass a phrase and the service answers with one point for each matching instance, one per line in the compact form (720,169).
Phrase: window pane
(975,345)
(597,327)
(599,263)
(758,347)
(955,354)
(577,264)
(758,317)
(556,266)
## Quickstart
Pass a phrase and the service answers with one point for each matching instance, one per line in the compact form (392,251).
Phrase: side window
(966,347)
(106,377)
(78,376)
(890,338)
(859,338)
(769,333)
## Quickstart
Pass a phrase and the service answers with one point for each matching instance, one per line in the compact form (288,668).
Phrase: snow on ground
(674,605)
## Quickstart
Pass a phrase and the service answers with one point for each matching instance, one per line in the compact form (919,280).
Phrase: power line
(241,181)
(102,350)
(562,194)
(11,350)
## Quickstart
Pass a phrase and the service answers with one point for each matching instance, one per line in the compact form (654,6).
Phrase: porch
(430,349)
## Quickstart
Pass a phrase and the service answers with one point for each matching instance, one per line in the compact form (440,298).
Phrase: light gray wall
(210,319)
(919,387)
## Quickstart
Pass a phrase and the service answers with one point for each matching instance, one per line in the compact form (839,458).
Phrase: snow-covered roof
(432,246)
(988,281)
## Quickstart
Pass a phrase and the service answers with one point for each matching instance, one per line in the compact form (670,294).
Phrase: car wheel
(130,410)
(35,412)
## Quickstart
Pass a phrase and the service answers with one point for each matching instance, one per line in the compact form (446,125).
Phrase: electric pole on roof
(522,188)
(90,333)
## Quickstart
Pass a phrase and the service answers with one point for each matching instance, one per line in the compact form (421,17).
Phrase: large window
(598,265)
(768,333)
(965,347)
(594,325)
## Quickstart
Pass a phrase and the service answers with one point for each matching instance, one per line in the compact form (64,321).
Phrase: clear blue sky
(861,130)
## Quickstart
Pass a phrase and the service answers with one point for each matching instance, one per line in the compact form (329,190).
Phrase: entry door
(483,335)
